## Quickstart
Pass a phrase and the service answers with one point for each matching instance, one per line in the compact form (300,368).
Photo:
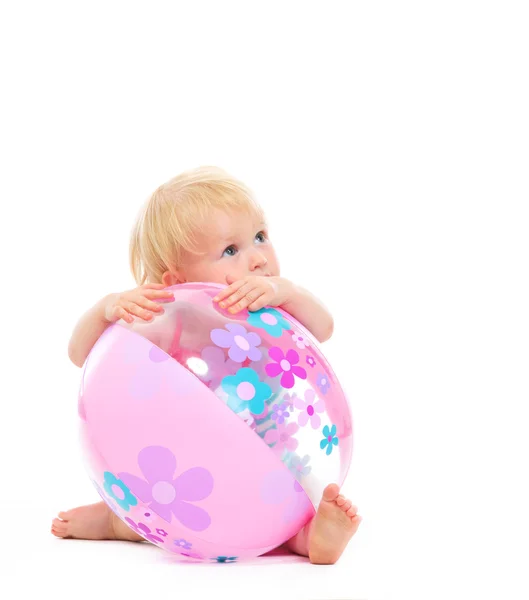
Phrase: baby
(205,226)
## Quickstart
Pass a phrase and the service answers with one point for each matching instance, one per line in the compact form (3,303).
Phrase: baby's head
(202,225)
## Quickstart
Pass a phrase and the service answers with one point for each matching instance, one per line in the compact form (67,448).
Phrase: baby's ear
(172,278)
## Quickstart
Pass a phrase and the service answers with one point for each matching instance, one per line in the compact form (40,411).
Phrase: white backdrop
(391,138)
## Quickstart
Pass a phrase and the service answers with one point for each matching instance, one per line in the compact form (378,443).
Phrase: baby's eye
(230,251)
(261,237)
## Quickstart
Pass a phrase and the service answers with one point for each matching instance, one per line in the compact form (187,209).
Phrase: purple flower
(309,407)
(286,365)
(143,530)
(168,495)
(181,543)
(280,412)
(212,365)
(162,532)
(310,361)
(241,344)
(323,383)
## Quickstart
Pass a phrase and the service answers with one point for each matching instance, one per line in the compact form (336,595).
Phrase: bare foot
(333,526)
(92,522)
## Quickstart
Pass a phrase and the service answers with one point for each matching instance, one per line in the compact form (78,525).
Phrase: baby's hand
(254,293)
(138,302)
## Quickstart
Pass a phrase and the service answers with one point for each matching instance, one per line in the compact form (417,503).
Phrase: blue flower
(330,439)
(225,559)
(246,390)
(122,495)
(270,320)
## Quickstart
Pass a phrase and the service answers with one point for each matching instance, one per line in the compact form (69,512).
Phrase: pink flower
(309,407)
(310,361)
(286,365)
(300,341)
(282,437)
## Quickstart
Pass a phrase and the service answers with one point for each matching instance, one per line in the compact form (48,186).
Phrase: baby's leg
(92,522)
(325,538)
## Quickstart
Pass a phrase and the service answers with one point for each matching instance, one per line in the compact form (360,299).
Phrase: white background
(390,141)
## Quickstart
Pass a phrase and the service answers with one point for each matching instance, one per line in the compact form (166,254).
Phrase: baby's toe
(340,501)
(330,493)
(59,528)
(347,505)
(352,513)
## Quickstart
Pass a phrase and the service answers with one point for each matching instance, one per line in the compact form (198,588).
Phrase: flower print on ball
(270,320)
(167,495)
(242,345)
(225,559)
(280,412)
(118,490)
(309,407)
(144,531)
(281,438)
(212,365)
(300,341)
(245,390)
(323,383)
(310,361)
(181,543)
(287,365)
(330,440)
(299,466)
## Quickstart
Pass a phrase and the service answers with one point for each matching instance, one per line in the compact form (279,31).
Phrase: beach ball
(209,434)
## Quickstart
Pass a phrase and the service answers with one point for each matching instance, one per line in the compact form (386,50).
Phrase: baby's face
(231,244)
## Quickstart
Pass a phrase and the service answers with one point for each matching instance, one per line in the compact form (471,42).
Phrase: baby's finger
(229,290)
(138,311)
(162,294)
(248,299)
(149,304)
(259,303)
(121,313)
(242,292)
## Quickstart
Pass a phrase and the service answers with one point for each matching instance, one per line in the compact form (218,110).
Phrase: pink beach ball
(213,435)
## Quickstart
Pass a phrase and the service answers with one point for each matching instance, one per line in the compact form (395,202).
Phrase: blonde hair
(168,222)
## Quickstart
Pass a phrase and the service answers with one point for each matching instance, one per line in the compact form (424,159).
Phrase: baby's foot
(334,525)
(92,522)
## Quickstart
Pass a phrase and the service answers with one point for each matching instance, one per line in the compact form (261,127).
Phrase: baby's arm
(256,292)
(87,331)
(138,302)
(309,311)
